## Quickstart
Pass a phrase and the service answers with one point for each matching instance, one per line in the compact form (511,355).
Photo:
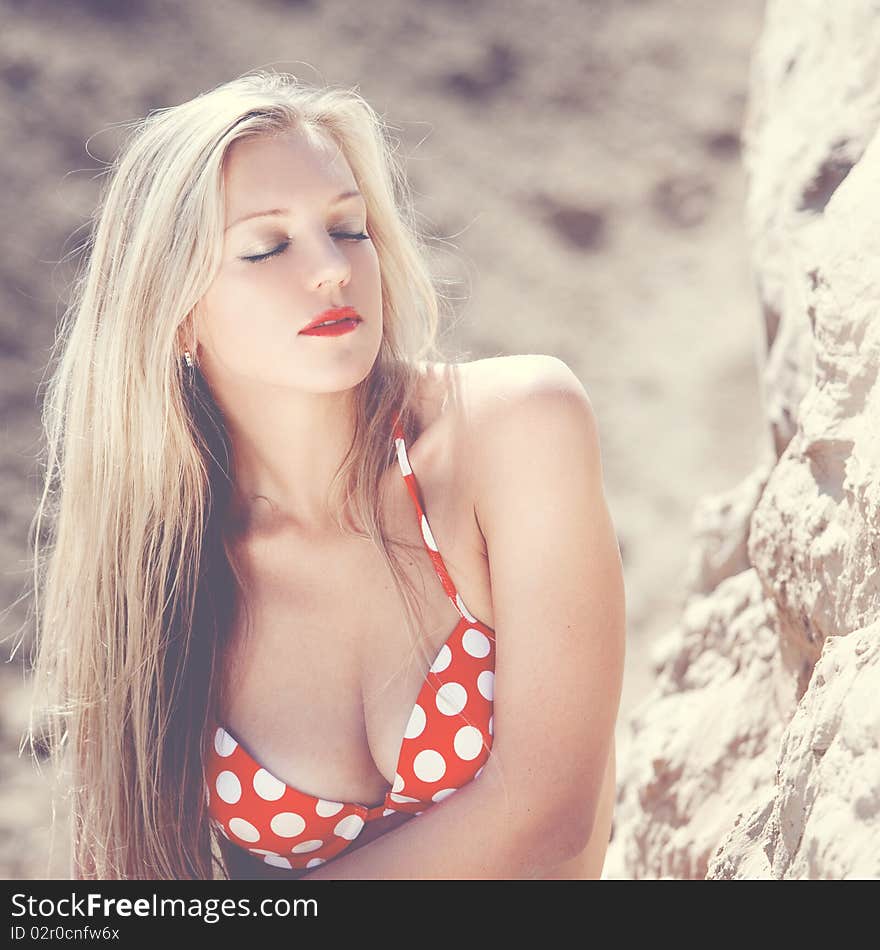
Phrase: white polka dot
(228,787)
(388,811)
(267,786)
(464,609)
(416,723)
(443,793)
(287,824)
(402,798)
(328,809)
(486,684)
(261,851)
(304,846)
(350,827)
(419,813)
(475,643)
(468,743)
(398,781)
(243,829)
(315,862)
(492,725)
(429,765)
(277,861)
(401,457)
(451,698)
(426,534)
(224,744)
(444,658)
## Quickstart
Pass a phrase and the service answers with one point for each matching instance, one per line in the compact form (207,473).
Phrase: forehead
(283,170)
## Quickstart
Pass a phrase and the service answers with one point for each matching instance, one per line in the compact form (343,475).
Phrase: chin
(336,376)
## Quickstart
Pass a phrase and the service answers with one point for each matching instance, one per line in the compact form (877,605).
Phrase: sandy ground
(579,160)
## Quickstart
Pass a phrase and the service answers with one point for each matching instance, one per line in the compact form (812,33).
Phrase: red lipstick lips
(337,319)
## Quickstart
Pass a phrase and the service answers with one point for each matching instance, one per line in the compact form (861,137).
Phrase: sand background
(580,162)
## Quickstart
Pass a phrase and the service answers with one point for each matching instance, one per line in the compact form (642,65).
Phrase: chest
(323,672)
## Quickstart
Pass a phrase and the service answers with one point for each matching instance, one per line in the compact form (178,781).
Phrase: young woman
(317,604)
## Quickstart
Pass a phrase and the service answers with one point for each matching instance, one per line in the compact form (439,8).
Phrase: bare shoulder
(498,414)
(502,399)
(499,386)
(521,414)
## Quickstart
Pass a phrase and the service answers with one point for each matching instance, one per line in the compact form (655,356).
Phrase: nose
(329,265)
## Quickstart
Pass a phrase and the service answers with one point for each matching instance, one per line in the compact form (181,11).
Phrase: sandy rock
(814,537)
(813,107)
(720,532)
(705,738)
(758,752)
(814,543)
(824,819)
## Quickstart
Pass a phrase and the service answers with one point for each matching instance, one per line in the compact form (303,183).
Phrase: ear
(186,335)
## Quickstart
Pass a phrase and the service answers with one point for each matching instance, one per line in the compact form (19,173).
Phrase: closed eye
(345,235)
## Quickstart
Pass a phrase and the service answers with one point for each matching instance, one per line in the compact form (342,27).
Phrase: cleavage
(323,689)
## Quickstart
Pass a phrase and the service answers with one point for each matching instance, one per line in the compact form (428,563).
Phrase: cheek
(243,287)
(238,306)
(366,273)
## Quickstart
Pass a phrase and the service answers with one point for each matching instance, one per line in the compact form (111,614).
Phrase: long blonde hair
(134,598)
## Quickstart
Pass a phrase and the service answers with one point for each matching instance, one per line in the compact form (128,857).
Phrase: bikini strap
(427,535)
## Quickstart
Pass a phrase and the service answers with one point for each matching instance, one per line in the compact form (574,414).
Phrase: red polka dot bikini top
(445,745)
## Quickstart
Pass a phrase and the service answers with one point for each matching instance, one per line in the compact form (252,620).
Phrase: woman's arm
(559,606)
(477,833)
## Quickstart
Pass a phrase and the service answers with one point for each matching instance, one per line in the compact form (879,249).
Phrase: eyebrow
(278,212)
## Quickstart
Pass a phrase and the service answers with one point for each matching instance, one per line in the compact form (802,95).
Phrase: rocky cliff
(757,752)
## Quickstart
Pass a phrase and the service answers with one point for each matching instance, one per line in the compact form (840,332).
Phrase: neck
(286,452)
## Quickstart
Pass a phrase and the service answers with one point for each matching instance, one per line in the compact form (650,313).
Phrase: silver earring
(188,357)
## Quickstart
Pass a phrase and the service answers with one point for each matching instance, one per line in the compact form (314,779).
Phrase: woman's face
(253,312)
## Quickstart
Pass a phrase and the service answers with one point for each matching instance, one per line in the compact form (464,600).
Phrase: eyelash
(260,258)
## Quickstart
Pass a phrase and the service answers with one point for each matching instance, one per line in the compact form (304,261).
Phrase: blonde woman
(315,603)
